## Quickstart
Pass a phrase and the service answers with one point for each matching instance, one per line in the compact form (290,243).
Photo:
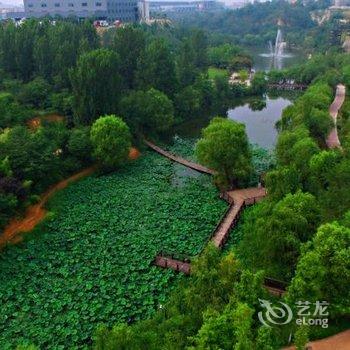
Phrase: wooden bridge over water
(198,167)
(238,200)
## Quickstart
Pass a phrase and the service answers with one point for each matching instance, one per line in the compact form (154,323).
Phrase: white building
(123,10)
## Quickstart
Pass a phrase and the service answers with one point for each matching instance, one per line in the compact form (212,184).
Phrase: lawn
(91,262)
(214,72)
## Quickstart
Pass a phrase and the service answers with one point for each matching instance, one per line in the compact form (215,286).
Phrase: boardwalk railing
(287,86)
(274,286)
(197,167)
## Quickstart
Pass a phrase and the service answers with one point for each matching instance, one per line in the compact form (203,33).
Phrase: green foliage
(156,68)
(323,271)
(79,144)
(111,141)
(35,93)
(273,234)
(224,147)
(213,310)
(224,55)
(33,156)
(217,72)
(129,43)
(62,102)
(38,48)
(147,112)
(301,338)
(256,23)
(96,83)
(259,83)
(94,259)
(11,112)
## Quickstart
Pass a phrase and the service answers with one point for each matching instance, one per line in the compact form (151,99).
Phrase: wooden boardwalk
(168,262)
(180,160)
(238,199)
(333,139)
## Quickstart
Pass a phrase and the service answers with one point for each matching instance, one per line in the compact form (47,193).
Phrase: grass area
(214,72)
(91,262)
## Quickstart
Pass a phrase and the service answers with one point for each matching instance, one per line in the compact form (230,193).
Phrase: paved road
(333,139)
(340,341)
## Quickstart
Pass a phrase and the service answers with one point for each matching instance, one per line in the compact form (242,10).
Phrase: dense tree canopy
(224,147)
(323,271)
(148,111)
(96,85)
(273,236)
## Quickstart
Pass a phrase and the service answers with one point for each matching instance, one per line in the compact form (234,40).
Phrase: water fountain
(279,44)
(277,51)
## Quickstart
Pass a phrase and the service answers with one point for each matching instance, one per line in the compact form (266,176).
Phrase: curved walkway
(333,139)
(36,213)
(180,160)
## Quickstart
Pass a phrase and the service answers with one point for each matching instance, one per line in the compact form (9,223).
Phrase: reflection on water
(260,124)
(258,114)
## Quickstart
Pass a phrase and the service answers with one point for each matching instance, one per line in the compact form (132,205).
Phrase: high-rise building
(123,10)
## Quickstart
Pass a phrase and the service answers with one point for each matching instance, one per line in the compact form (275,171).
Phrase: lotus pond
(91,262)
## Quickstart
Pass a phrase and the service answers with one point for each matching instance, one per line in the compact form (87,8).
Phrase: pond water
(260,124)
(263,61)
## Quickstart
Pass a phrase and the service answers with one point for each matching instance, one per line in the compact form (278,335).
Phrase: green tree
(111,141)
(156,68)
(259,83)
(148,111)
(199,43)
(323,271)
(274,232)
(11,112)
(188,103)
(96,85)
(224,147)
(221,56)
(36,156)
(129,42)
(301,338)
(186,68)
(79,144)
(35,93)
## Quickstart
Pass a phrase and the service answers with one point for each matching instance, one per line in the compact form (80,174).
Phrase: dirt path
(36,213)
(333,139)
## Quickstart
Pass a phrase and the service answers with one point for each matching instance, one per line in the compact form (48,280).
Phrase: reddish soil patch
(36,213)
(340,341)
(134,153)
(36,122)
